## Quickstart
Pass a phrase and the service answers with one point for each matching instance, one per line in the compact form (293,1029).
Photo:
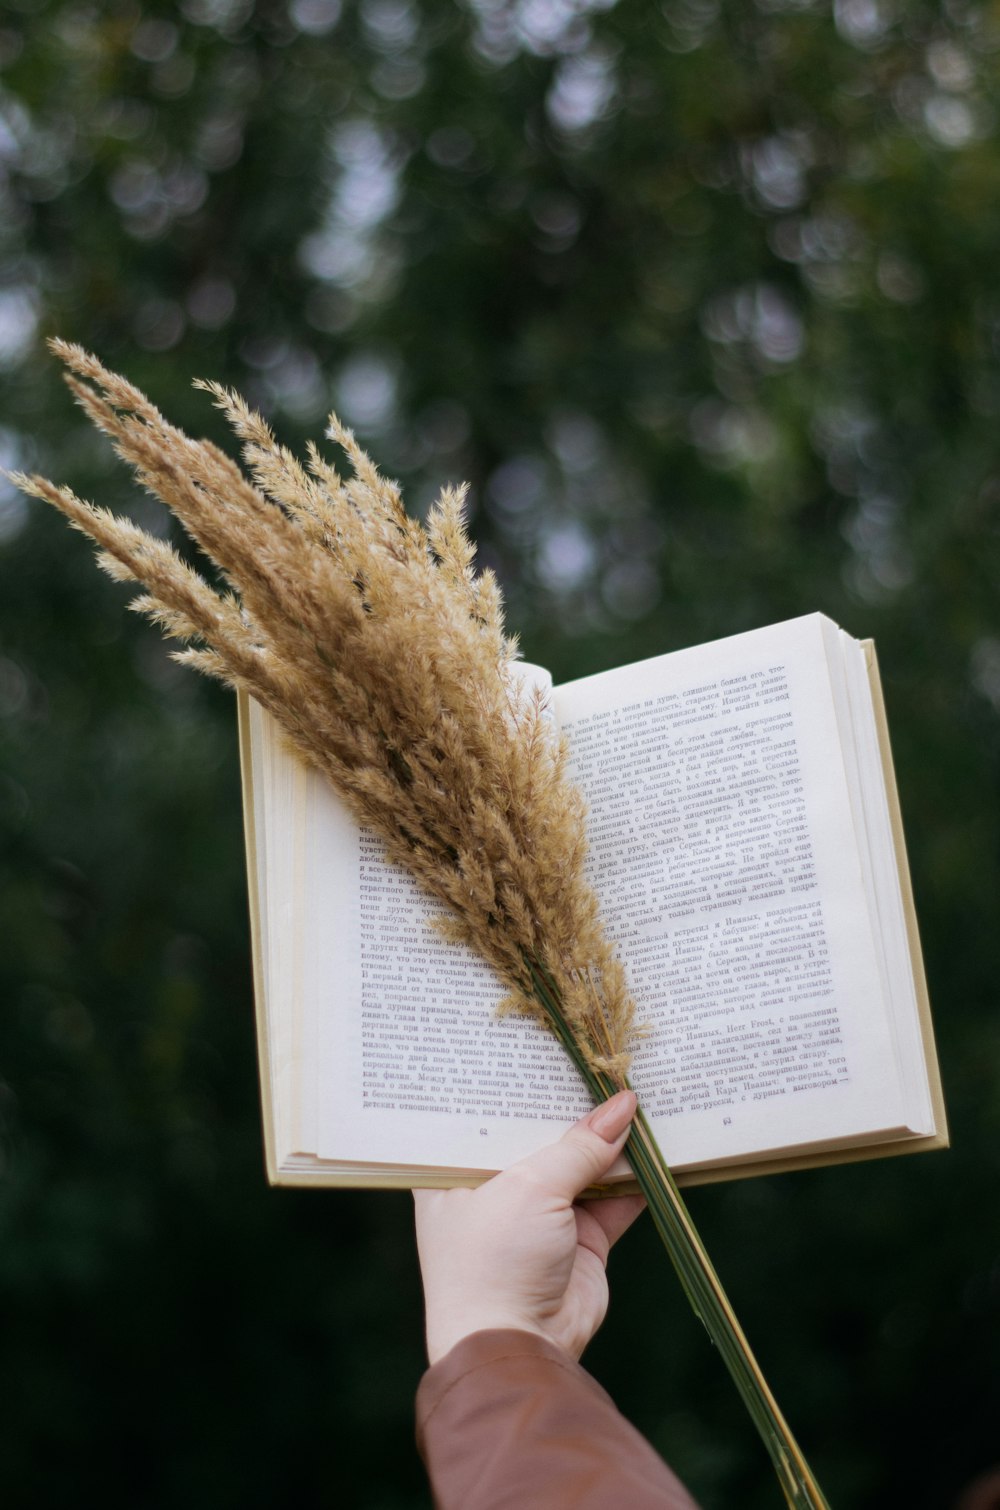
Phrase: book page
(886,891)
(723,847)
(413,1064)
(279,784)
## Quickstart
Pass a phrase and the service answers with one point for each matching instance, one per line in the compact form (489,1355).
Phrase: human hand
(520,1251)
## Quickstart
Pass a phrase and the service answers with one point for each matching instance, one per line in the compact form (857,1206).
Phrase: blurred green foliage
(703,297)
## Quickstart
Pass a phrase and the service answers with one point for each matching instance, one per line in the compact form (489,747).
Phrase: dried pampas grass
(382,655)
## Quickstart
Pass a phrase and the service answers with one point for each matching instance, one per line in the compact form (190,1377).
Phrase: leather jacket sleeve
(509,1420)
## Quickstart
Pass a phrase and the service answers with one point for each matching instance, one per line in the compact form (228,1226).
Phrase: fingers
(615,1214)
(611,1120)
(586,1152)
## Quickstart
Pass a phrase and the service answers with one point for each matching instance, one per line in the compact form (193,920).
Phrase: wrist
(447,1334)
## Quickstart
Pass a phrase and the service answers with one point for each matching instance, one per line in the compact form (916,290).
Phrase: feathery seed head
(383,656)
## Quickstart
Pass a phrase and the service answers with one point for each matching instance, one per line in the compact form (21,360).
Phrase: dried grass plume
(382,654)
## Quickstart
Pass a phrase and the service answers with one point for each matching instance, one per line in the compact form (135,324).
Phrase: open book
(745,843)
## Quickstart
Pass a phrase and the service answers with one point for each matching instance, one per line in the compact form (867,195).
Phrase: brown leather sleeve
(509,1420)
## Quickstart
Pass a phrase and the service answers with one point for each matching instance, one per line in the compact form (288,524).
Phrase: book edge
(400,1179)
(931,1063)
(243,716)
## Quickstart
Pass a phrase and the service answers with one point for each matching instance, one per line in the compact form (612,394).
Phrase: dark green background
(703,297)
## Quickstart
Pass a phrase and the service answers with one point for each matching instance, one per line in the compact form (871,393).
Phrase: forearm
(508,1419)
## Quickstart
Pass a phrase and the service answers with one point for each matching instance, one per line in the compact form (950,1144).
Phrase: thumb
(586,1151)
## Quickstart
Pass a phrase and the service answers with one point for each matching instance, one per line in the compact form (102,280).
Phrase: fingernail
(610,1119)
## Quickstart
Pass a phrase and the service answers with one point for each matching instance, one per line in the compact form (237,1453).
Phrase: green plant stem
(694,1268)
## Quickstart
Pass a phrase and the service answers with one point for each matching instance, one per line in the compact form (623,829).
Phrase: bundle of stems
(382,654)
